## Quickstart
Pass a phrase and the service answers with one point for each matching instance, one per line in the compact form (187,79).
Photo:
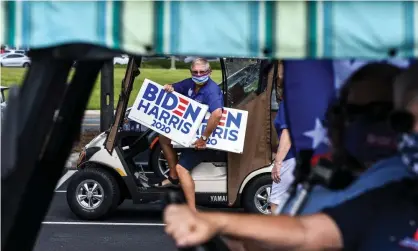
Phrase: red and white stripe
(181,107)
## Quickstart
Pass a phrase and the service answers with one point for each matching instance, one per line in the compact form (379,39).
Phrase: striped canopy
(278,29)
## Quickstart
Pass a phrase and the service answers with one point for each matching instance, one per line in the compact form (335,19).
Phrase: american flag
(309,87)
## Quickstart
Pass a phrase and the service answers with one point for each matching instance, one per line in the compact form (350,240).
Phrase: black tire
(111,193)
(155,163)
(248,199)
(25,65)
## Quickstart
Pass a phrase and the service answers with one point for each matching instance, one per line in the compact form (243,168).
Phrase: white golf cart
(108,172)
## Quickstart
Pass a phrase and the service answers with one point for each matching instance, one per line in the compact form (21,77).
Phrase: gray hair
(200,61)
(406,87)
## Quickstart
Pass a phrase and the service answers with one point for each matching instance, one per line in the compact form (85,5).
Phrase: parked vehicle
(121,60)
(14,60)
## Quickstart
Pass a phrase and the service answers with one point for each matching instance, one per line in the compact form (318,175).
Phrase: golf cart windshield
(242,78)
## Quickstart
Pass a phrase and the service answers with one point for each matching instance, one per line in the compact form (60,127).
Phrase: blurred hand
(186,227)
(275,172)
(168,88)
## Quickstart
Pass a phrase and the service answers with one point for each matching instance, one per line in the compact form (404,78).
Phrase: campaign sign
(170,114)
(228,136)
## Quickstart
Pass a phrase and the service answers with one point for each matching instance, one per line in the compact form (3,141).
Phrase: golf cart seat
(133,143)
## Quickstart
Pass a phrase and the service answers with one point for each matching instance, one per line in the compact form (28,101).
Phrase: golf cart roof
(274,29)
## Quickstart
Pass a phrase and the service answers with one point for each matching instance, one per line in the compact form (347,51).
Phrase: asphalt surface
(132,227)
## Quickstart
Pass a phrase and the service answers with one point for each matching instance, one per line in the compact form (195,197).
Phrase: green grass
(11,76)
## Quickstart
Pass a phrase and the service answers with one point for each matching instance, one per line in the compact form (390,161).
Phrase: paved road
(91,122)
(132,227)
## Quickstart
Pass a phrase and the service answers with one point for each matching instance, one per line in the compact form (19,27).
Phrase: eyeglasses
(200,72)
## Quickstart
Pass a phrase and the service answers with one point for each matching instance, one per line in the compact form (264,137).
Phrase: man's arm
(315,232)
(281,126)
(213,122)
(284,145)
(332,229)
(215,103)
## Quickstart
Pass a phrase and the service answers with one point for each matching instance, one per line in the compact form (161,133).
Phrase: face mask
(200,80)
(408,147)
(368,141)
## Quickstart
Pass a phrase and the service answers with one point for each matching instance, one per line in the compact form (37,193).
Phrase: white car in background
(122,60)
(14,60)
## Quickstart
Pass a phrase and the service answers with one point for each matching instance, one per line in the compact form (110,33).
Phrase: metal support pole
(107,96)
(173,63)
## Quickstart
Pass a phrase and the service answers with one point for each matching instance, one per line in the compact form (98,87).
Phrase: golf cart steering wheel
(215,244)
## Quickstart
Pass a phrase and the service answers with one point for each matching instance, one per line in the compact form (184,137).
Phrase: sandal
(172,183)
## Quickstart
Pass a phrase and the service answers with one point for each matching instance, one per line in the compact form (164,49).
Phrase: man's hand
(168,88)
(199,144)
(187,228)
(275,172)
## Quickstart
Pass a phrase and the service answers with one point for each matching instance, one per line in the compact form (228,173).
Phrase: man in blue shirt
(201,88)
(284,163)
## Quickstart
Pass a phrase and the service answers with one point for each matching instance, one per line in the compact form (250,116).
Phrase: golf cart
(291,29)
(108,173)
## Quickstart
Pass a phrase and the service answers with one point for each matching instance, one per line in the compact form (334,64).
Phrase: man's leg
(171,157)
(189,159)
(187,185)
(274,197)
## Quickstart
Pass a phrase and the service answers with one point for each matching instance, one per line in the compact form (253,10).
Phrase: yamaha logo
(218,198)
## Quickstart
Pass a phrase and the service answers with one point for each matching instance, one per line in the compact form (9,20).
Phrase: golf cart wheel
(159,163)
(93,193)
(257,195)
(26,65)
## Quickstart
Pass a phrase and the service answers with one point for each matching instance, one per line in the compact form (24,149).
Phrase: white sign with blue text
(170,114)
(228,136)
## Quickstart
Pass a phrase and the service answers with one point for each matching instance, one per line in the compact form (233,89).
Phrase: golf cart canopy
(102,30)
(274,29)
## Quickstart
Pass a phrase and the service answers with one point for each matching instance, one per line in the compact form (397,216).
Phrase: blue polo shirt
(381,173)
(280,123)
(209,94)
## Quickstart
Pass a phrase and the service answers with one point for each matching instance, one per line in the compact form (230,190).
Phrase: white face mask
(200,80)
